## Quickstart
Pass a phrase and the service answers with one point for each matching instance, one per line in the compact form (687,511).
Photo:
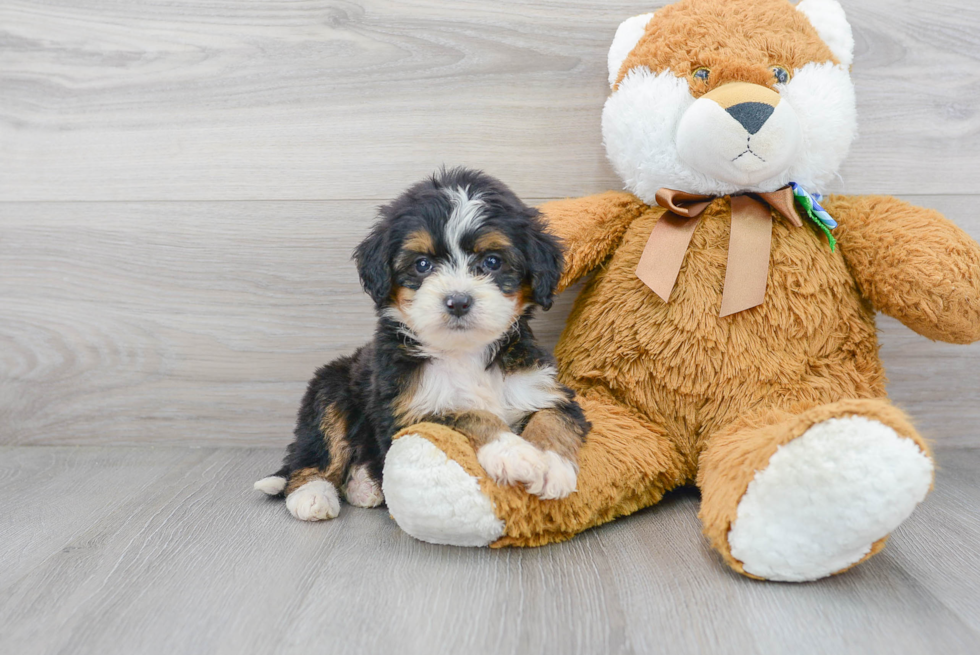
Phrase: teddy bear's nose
(752,115)
(750,104)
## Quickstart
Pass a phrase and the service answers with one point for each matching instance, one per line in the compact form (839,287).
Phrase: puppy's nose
(752,115)
(458,304)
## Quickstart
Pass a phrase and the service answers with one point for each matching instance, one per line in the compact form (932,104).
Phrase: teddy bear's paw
(362,490)
(509,459)
(561,477)
(314,501)
(826,497)
(433,498)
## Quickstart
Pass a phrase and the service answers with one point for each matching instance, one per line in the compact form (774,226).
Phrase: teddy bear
(725,334)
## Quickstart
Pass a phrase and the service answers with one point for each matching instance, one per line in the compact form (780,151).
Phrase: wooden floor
(181,185)
(168,550)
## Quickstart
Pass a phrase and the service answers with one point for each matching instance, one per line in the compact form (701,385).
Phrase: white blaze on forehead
(467,216)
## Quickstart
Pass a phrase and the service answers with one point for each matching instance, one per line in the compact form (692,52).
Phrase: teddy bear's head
(727,96)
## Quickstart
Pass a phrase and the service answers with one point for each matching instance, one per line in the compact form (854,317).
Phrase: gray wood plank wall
(181,184)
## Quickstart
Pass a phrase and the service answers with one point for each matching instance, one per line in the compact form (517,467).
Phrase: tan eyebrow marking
(492,241)
(419,241)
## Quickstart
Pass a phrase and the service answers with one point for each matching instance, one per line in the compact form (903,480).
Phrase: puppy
(455,266)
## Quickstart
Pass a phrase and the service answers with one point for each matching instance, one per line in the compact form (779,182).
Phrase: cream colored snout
(741,133)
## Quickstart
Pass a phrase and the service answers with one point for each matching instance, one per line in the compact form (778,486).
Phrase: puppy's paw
(314,501)
(272,485)
(362,490)
(509,459)
(561,477)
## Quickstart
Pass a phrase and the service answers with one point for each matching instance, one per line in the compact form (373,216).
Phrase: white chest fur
(458,383)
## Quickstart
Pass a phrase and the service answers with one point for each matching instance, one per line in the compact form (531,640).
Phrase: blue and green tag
(811,207)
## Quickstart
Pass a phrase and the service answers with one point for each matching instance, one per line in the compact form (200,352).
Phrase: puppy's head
(458,258)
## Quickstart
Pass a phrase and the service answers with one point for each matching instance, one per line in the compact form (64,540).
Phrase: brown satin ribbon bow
(748,246)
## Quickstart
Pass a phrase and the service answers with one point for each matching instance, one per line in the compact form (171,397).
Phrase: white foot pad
(272,485)
(362,490)
(314,501)
(826,497)
(433,499)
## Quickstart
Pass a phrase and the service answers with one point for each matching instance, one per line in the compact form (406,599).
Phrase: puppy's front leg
(506,457)
(559,432)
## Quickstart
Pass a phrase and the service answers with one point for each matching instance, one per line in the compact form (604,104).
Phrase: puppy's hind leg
(311,492)
(318,460)
(273,485)
(362,484)
(310,497)
(363,487)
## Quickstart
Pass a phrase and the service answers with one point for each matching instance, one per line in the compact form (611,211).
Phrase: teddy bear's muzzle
(741,133)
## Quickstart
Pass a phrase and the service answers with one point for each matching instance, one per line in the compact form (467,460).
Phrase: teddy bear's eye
(702,74)
(781,74)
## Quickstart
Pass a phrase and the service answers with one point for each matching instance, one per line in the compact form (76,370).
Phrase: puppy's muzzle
(458,304)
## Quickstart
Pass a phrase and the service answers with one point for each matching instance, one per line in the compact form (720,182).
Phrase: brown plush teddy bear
(727,336)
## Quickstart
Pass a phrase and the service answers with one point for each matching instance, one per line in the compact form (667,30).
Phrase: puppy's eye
(701,74)
(423,265)
(492,262)
(781,74)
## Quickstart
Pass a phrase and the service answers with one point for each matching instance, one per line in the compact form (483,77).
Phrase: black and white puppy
(455,266)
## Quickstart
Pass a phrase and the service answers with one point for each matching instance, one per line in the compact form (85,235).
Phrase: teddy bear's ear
(628,34)
(827,16)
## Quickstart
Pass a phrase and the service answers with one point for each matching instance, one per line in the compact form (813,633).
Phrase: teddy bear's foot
(433,499)
(438,491)
(798,497)
(826,498)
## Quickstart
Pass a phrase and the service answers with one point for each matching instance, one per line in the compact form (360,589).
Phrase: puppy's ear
(374,265)
(545,261)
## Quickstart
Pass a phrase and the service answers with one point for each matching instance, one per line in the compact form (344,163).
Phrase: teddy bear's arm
(590,228)
(912,264)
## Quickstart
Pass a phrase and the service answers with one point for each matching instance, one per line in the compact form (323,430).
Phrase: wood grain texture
(136,309)
(335,99)
(200,323)
(188,559)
